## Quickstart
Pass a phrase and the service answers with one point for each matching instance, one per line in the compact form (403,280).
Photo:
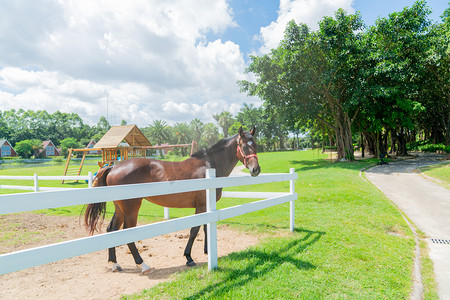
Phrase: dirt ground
(89,276)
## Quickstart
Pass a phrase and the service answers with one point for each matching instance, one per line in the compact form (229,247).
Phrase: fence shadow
(306,165)
(262,262)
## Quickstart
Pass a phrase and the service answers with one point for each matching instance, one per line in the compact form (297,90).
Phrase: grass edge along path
(439,173)
(350,241)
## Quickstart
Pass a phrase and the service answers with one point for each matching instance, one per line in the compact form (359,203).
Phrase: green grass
(427,271)
(350,241)
(440,172)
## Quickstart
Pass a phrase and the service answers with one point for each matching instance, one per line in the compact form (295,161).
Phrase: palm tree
(210,135)
(225,120)
(159,132)
(183,134)
(197,129)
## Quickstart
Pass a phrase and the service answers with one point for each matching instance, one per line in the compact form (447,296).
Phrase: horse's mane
(217,147)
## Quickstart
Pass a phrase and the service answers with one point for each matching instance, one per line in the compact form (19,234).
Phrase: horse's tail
(95,212)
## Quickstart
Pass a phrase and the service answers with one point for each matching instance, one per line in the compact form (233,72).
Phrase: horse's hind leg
(205,229)
(116,222)
(187,251)
(193,234)
(130,220)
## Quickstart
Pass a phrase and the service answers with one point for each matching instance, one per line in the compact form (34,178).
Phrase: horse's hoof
(116,267)
(191,263)
(145,269)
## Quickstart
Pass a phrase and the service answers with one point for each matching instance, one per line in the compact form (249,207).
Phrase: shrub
(433,148)
(24,149)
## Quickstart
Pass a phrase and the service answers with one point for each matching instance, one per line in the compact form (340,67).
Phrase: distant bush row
(424,147)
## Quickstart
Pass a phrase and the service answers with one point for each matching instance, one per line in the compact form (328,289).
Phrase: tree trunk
(344,141)
(362,144)
(370,142)
(401,151)
(282,147)
(392,151)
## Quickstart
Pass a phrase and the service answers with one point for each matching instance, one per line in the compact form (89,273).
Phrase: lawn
(440,172)
(350,240)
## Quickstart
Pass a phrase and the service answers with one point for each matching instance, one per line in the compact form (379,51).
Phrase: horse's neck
(224,161)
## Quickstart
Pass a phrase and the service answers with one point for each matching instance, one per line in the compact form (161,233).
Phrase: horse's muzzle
(254,171)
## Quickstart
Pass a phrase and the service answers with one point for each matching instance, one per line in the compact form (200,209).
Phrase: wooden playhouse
(119,143)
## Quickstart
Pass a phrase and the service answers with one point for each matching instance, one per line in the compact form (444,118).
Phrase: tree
(4,129)
(158,132)
(250,116)
(197,129)
(183,135)
(24,149)
(395,51)
(37,146)
(210,135)
(435,118)
(234,129)
(311,75)
(225,120)
(68,143)
(103,124)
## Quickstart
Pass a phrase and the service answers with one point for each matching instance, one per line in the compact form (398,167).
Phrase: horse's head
(246,151)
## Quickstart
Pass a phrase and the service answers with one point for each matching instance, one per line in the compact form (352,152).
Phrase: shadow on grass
(307,165)
(260,263)
(258,226)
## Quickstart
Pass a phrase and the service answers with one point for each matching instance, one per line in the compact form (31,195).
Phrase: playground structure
(113,148)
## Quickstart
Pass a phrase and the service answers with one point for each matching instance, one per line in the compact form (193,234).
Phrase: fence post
(292,202)
(166,213)
(36,187)
(211,227)
(90,180)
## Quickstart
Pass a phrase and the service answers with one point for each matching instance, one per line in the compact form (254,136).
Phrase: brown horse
(223,157)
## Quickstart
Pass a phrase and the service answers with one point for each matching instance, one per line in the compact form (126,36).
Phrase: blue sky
(252,15)
(148,59)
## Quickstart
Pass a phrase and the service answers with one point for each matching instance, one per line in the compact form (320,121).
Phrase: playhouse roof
(130,133)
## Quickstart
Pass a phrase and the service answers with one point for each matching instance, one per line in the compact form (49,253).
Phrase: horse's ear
(253,131)
(241,132)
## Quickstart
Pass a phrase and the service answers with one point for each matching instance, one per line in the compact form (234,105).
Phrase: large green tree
(395,50)
(435,120)
(314,75)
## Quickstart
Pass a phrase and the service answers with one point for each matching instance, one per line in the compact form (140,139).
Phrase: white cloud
(145,60)
(132,60)
(309,12)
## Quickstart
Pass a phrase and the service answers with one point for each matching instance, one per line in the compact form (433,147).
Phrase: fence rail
(36,178)
(19,260)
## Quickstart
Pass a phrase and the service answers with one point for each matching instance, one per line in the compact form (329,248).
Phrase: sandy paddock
(89,276)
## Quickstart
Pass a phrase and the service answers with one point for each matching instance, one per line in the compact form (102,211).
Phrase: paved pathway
(426,203)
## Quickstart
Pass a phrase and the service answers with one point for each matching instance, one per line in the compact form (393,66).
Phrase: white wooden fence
(15,203)
(36,178)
